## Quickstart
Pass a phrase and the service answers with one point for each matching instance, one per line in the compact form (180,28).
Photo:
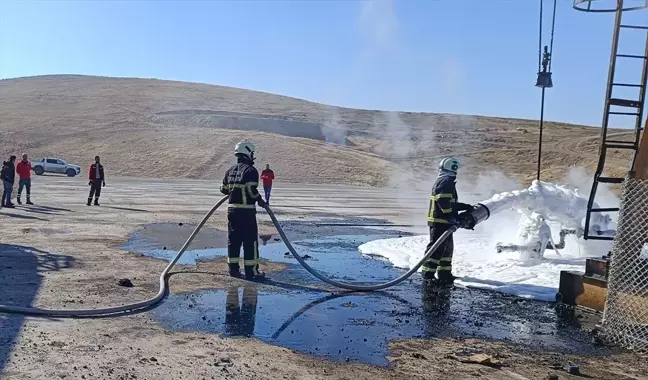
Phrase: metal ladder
(630,107)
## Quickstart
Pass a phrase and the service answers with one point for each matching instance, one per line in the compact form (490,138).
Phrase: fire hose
(466,220)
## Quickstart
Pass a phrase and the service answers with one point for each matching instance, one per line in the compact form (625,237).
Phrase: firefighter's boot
(428,276)
(234,270)
(253,274)
(29,202)
(18,200)
(429,279)
(446,278)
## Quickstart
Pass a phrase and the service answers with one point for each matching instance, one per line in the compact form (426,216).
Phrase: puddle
(288,311)
(358,327)
(171,236)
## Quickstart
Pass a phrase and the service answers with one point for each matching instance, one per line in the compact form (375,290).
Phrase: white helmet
(449,164)
(246,148)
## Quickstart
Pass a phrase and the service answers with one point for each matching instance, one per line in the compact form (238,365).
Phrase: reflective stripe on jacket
(240,184)
(442,207)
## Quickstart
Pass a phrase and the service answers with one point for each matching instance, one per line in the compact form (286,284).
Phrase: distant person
(443,211)
(8,175)
(267,176)
(23,168)
(97,180)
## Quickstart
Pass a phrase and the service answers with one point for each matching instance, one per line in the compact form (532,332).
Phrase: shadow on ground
(21,269)
(45,210)
(27,217)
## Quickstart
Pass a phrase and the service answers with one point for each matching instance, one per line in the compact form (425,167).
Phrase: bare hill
(165,129)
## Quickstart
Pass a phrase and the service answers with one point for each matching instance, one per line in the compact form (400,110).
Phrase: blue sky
(469,57)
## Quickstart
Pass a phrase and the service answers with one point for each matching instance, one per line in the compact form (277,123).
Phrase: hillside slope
(164,129)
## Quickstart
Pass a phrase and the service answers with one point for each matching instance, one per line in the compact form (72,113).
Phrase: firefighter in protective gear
(442,214)
(240,184)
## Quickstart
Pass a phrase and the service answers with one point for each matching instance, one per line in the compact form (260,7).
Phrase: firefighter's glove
(463,222)
(89,183)
(262,203)
(104,183)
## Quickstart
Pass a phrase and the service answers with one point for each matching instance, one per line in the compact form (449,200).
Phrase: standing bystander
(8,175)
(23,168)
(96,181)
(267,176)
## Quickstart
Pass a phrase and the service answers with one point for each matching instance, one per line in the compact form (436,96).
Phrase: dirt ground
(63,254)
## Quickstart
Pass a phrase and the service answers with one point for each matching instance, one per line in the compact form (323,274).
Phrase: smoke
(502,227)
(453,77)
(580,179)
(377,27)
(334,130)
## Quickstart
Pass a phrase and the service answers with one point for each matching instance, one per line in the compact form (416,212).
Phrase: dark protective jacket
(92,173)
(8,172)
(444,206)
(240,184)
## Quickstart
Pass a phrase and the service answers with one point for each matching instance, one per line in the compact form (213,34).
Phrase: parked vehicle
(55,165)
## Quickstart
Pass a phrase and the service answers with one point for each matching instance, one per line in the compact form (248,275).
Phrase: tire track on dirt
(574,147)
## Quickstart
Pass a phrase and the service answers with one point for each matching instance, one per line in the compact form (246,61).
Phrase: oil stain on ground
(294,311)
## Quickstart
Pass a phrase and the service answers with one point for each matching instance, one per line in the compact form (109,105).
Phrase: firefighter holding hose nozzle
(442,215)
(240,185)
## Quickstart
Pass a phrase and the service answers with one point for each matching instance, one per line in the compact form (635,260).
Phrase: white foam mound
(478,264)
(555,202)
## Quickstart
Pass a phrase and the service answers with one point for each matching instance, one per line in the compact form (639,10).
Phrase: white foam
(476,261)
(555,202)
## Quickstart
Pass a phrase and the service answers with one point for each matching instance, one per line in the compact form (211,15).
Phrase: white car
(55,165)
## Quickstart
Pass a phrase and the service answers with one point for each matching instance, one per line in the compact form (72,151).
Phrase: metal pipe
(542,104)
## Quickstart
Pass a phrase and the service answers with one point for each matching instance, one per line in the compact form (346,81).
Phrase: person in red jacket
(23,168)
(267,176)
(96,181)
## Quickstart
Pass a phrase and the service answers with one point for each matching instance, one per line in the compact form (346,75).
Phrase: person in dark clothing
(267,176)
(240,184)
(442,214)
(96,180)
(8,175)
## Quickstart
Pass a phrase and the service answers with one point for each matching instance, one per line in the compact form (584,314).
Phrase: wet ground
(295,310)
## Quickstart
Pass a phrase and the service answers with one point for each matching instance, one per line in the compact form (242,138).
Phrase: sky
(472,57)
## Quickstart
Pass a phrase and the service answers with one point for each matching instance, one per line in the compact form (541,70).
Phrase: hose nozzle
(470,219)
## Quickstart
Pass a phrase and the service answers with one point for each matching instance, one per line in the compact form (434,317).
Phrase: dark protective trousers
(441,260)
(95,190)
(242,231)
